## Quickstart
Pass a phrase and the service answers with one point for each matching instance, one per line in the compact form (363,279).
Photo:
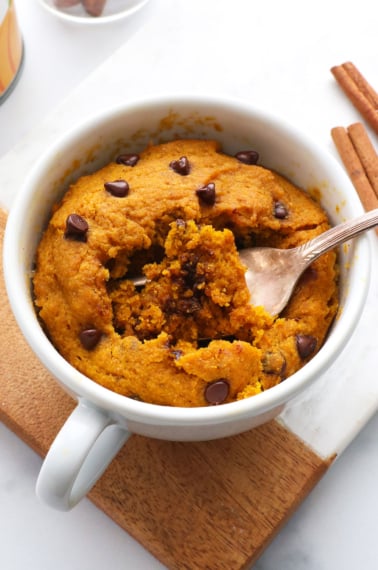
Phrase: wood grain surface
(210,505)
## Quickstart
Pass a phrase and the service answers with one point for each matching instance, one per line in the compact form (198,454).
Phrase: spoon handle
(337,235)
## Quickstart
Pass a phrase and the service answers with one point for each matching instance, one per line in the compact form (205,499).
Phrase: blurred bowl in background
(113,11)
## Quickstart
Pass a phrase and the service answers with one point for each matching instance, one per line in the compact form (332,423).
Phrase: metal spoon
(273,273)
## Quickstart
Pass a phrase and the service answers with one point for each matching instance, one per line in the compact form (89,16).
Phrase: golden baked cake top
(177,213)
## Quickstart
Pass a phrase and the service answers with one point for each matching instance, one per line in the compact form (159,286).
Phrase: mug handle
(79,455)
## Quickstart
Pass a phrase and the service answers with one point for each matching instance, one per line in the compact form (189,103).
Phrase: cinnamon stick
(366,152)
(362,95)
(355,152)
(365,87)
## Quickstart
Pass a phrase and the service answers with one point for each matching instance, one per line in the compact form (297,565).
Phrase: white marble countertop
(277,54)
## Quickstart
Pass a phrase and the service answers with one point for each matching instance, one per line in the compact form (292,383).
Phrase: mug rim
(82,386)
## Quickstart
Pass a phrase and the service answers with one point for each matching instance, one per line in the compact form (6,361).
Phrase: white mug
(103,420)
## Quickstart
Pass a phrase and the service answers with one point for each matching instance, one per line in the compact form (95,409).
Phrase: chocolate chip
(189,268)
(181,166)
(190,279)
(306,345)
(188,306)
(280,210)
(135,397)
(119,330)
(310,274)
(274,363)
(117,188)
(217,392)
(247,156)
(183,306)
(128,159)
(90,338)
(207,194)
(76,228)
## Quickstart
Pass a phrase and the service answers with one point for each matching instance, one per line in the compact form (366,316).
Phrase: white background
(274,53)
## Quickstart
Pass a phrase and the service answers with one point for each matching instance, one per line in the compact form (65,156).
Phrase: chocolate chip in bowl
(119,188)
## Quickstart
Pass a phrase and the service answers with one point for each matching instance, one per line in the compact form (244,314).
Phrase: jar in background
(11,48)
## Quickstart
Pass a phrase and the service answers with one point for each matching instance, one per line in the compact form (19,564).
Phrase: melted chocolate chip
(117,188)
(128,159)
(188,306)
(217,392)
(310,274)
(189,269)
(182,306)
(90,338)
(120,330)
(280,210)
(207,194)
(306,345)
(76,228)
(247,156)
(181,166)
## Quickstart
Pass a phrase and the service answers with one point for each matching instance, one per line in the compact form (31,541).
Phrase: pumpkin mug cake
(178,212)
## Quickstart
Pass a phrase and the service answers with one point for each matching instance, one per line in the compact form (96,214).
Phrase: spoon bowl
(272,273)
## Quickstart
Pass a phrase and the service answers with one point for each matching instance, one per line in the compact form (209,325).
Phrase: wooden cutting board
(209,505)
